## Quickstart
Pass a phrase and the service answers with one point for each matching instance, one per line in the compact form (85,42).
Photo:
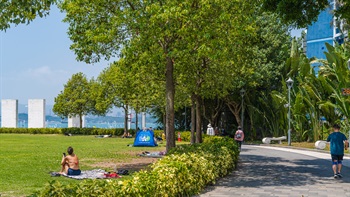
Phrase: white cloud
(43,71)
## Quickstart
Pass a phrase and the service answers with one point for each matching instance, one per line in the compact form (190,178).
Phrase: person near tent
(210,130)
(216,131)
(127,135)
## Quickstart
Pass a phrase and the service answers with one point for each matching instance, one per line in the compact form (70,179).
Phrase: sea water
(55,124)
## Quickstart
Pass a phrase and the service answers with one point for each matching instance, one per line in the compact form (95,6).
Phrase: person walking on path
(239,137)
(337,140)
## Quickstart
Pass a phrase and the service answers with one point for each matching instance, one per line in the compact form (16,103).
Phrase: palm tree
(334,76)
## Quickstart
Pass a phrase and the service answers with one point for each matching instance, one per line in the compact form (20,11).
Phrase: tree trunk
(193,121)
(164,122)
(136,120)
(170,94)
(214,112)
(198,120)
(126,113)
(81,121)
(235,109)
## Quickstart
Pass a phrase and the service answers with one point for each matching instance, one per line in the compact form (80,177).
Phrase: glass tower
(320,32)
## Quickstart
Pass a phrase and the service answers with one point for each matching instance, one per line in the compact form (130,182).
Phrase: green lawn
(308,145)
(26,160)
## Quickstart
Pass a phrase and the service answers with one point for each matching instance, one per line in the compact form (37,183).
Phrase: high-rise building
(325,30)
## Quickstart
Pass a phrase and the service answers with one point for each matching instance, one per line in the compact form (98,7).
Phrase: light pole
(289,84)
(242,92)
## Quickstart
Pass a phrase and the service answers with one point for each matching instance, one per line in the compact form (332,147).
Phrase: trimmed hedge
(184,171)
(74,131)
(185,135)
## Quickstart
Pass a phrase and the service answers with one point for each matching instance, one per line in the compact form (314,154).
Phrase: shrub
(184,171)
(185,135)
(73,130)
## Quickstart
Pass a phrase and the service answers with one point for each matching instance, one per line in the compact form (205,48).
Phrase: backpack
(123,172)
(238,135)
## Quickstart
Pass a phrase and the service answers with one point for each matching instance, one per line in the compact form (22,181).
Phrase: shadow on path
(260,167)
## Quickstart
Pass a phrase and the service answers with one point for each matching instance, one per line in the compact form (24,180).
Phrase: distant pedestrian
(223,132)
(216,131)
(239,137)
(337,140)
(210,130)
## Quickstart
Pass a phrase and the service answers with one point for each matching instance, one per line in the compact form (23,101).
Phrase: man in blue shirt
(337,140)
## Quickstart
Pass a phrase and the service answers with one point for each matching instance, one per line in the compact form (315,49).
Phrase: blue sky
(35,60)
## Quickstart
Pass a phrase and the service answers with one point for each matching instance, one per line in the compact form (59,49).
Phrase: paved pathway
(272,171)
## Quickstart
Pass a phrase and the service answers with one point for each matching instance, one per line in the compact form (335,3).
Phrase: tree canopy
(167,31)
(22,11)
(300,13)
(75,99)
(173,54)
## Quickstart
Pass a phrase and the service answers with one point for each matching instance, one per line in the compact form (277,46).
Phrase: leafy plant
(184,171)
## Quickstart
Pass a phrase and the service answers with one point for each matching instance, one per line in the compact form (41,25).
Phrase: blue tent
(145,138)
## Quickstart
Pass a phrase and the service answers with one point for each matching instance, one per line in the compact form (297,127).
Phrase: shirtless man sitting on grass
(70,163)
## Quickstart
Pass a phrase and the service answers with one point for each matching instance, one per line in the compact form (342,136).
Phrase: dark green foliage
(298,13)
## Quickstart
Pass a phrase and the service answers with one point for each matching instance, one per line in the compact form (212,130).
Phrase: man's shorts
(73,172)
(337,157)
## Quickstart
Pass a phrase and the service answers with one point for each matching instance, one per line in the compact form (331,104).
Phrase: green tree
(211,57)
(334,76)
(22,11)
(161,29)
(300,13)
(259,73)
(343,11)
(75,99)
(115,90)
(116,86)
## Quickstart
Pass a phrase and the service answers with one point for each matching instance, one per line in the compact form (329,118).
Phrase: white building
(75,121)
(9,113)
(36,113)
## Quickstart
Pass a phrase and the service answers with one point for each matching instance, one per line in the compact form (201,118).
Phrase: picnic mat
(89,174)
(152,154)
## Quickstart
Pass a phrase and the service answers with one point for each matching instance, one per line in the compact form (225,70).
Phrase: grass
(308,145)
(26,160)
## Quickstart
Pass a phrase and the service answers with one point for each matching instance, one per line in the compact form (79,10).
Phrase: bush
(74,131)
(185,135)
(184,171)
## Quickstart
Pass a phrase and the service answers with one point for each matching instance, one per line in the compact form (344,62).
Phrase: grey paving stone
(268,172)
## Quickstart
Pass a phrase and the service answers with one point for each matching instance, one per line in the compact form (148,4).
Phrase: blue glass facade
(322,28)
(319,33)
(317,49)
